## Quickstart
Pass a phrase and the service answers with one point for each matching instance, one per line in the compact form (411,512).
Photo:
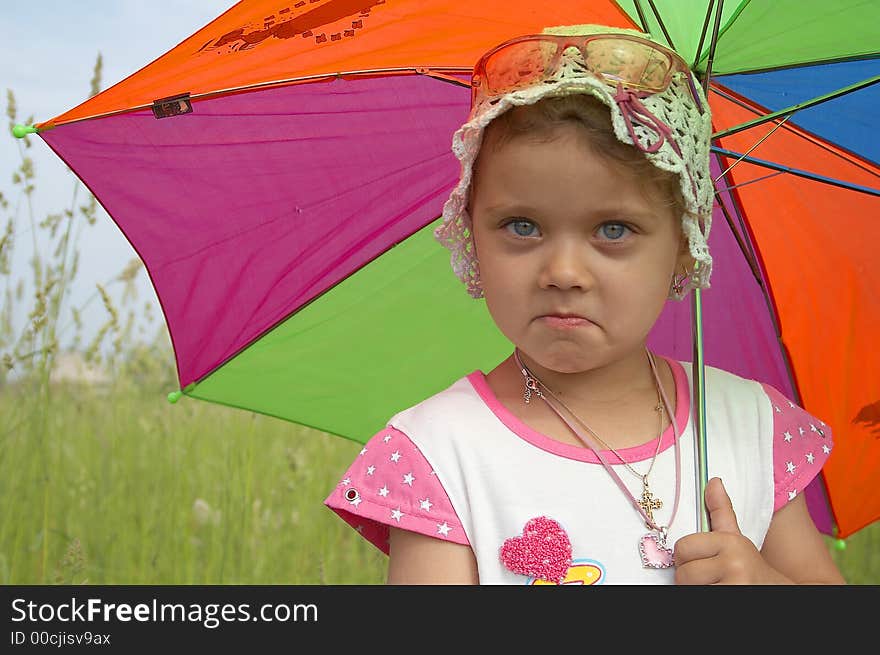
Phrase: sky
(50,51)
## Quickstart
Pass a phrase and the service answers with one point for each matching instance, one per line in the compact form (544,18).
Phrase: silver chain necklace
(652,548)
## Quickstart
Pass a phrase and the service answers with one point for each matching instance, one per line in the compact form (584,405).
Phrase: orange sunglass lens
(518,65)
(633,63)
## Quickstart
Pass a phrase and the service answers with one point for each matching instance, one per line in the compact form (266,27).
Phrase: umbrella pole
(701,468)
(701,465)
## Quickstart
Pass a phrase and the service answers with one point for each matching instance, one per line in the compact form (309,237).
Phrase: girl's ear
(684,254)
(687,262)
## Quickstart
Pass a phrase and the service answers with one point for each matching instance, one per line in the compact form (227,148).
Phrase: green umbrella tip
(21,131)
(839,544)
(174,396)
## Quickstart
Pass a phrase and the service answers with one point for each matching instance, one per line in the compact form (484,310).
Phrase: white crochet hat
(684,151)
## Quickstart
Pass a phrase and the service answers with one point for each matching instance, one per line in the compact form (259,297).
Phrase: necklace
(652,547)
(648,502)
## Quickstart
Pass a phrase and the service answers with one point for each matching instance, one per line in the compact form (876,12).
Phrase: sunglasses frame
(580,41)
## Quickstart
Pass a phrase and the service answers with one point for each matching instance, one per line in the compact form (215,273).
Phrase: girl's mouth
(564,322)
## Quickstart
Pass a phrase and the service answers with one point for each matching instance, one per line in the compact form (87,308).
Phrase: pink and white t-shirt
(461,467)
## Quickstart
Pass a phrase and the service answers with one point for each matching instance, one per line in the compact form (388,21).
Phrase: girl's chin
(564,360)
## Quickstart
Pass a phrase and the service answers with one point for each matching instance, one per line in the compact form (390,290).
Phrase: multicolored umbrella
(280,173)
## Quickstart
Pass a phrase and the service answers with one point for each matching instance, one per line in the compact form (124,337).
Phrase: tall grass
(117,486)
(121,487)
(111,484)
(859,562)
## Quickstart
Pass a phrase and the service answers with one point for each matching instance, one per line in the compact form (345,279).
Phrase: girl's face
(575,258)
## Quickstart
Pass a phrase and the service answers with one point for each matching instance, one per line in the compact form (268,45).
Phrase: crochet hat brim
(690,125)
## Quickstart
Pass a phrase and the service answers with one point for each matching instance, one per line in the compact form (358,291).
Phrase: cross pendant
(648,503)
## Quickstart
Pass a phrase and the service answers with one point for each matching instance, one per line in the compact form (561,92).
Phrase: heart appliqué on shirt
(543,551)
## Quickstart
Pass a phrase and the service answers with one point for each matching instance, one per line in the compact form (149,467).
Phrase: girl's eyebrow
(511,208)
(605,213)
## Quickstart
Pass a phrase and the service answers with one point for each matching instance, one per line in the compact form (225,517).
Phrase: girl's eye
(614,231)
(521,228)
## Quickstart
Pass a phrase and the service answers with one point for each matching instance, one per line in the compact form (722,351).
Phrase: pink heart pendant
(654,554)
(543,551)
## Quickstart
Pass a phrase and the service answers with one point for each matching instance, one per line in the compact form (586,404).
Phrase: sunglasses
(637,64)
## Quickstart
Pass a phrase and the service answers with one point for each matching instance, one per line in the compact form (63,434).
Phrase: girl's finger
(722,518)
(699,572)
(701,545)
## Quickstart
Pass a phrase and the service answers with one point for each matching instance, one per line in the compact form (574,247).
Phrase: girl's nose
(567,267)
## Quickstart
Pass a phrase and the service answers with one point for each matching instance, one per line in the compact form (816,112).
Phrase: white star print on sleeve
(391,483)
(801,445)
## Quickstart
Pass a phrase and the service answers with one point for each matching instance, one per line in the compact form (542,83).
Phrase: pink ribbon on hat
(632,109)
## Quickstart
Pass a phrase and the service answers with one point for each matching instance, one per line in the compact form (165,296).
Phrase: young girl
(584,204)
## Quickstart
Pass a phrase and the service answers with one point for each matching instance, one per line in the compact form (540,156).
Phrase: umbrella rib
(703,34)
(755,145)
(837,151)
(795,108)
(796,171)
(757,179)
(806,64)
(433,72)
(745,249)
(642,18)
(750,256)
(730,22)
(713,42)
(662,26)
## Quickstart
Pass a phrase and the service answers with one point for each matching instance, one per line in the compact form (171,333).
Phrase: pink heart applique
(654,556)
(543,551)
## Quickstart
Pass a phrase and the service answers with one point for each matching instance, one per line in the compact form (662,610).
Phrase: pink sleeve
(391,483)
(801,445)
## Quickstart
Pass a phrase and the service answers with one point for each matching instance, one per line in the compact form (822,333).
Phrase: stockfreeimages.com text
(210,615)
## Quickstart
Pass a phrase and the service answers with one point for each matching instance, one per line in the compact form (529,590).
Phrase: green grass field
(124,488)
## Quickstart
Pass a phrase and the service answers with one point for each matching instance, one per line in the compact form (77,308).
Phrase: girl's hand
(724,555)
